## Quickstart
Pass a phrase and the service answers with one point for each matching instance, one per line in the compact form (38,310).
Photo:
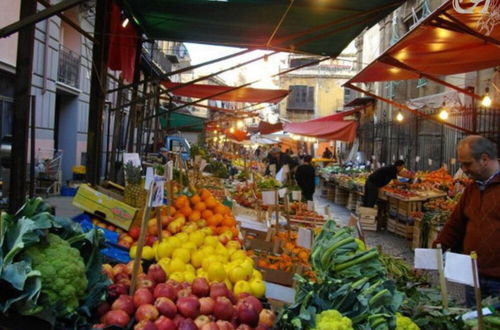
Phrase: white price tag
(268,197)
(272,169)
(429,161)
(427,258)
(149,177)
(401,157)
(157,198)
(203,164)
(282,192)
(445,166)
(296,195)
(417,159)
(458,268)
(131,158)
(304,238)
(453,161)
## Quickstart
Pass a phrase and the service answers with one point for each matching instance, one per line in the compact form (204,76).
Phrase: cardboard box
(104,206)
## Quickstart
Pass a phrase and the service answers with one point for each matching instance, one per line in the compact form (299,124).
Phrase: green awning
(319,27)
(181,121)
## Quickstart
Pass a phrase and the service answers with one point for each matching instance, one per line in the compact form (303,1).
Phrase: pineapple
(134,193)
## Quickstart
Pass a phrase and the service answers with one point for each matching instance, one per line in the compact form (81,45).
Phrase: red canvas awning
(341,130)
(250,95)
(268,128)
(446,42)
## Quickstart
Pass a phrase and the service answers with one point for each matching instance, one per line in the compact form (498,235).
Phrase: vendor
(279,159)
(327,153)
(474,225)
(380,178)
(305,176)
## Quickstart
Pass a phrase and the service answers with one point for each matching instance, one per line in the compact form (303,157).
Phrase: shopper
(474,225)
(277,158)
(327,153)
(305,175)
(380,178)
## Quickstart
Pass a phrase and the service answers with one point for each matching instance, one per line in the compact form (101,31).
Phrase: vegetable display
(332,320)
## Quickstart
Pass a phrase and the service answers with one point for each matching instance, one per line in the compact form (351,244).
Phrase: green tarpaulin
(181,121)
(322,27)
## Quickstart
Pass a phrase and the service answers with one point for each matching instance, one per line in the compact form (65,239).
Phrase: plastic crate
(68,191)
(115,254)
(85,221)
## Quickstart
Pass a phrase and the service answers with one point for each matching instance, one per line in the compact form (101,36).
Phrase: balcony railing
(69,67)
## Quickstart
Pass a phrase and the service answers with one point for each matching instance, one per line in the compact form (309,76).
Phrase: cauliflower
(332,320)
(405,323)
(63,273)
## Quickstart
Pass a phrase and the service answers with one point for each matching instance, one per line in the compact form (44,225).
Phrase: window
(301,98)
(295,62)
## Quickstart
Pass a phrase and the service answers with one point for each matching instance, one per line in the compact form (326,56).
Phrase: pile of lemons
(186,256)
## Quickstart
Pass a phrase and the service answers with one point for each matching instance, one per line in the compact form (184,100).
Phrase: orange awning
(250,95)
(446,42)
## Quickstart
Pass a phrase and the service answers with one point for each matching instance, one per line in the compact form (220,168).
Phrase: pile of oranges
(204,206)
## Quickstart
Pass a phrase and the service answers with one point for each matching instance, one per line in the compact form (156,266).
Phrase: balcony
(68,71)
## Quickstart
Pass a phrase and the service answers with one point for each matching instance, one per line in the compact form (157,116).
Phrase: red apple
(134,232)
(142,297)
(188,307)
(107,269)
(177,319)
(200,287)
(130,267)
(223,309)
(115,290)
(118,318)
(102,308)
(151,239)
(145,325)
(232,297)
(146,283)
(124,303)
(224,325)
(120,276)
(243,327)
(185,285)
(187,324)
(146,312)
(156,273)
(201,320)
(267,318)
(247,314)
(252,300)
(210,326)
(176,285)
(206,305)
(242,295)
(165,290)
(218,289)
(182,293)
(166,307)
(164,323)
(124,282)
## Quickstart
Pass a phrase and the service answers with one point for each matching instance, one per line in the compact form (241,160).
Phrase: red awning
(238,135)
(341,130)
(268,128)
(250,95)
(446,42)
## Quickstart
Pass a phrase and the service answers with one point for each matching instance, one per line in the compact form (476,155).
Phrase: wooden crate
(391,224)
(341,196)
(352,200)
(417,234)
(405,208)
(330,194)
(404,230)
(393,206)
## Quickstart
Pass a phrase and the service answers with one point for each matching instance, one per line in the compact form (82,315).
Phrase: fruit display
(134,193)
(167,304)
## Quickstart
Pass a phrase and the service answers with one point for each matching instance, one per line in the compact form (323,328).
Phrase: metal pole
(97,90)
(132,116)
(20,115)
(32,146)
(108,131)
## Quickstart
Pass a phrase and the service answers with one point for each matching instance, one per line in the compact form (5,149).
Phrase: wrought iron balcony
(69,67)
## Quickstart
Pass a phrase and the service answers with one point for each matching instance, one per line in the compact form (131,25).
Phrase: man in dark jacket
(380,178)
(305,175)
(279,159)
(327,153)
(474,225)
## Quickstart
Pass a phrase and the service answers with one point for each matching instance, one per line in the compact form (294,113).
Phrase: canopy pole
(69,22)
(37,17)
(165,91)
(132,115)
(407,108)
(394,62)
(282,19)
(192,67)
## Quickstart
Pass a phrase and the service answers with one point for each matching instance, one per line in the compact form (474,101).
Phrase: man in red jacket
(474,225)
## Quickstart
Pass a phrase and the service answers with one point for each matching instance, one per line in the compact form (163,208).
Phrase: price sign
(131,158)
(417,159)
(304,238)
(157,197)
(149,177)
(429,161)
(453,161)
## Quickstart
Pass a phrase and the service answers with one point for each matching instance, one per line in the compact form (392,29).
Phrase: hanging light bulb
(443,114)
(486,101)
(231,130)
(240,124)
(125,22)
(399,116)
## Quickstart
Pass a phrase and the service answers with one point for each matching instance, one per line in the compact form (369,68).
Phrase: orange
(212,221)
(227,210)
(195,216)
(218,217)
(211,202)
(195,199)
(177,214)
(219,209)
(186,210)
(205,194)
(222,229)
(228,221)
(234,230)
(164,210)
(181,201)
(200,206)
(206,214)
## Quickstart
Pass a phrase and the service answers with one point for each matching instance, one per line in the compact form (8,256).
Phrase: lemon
(182,253)
(189,277)
(189,245)
(190,268)
(221,250)
(233,244)
(176,265)
(242,286)
(148,253)
(202,273)
(256,275)
(197,258)
(197,237)
(208,250)
(239,254)
(237,274)
(164,262)
(164,250)
(175,241)
(177,276)
(228,233)
(190,228)
(182,236)
(247,268)
(208,261)
(207,230)
(133,251)
(216,272)
(228,284)
(258,288)
(211,241)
